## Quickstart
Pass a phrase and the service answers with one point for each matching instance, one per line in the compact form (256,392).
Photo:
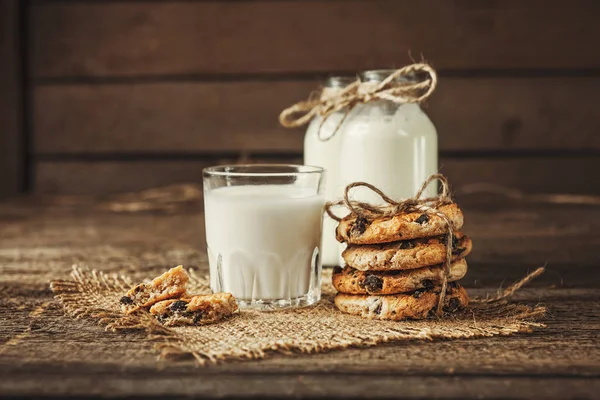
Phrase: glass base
(275,305)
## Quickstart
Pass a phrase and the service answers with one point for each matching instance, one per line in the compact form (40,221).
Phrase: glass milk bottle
(389,145)
(322,149)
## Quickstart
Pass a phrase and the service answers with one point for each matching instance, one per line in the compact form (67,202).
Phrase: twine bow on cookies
(419,83)
(393,207)
(429,205)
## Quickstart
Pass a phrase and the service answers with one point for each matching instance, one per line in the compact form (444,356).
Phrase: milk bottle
(392,146)
(322,149)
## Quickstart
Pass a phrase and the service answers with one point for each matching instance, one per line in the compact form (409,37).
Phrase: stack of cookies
(395,265)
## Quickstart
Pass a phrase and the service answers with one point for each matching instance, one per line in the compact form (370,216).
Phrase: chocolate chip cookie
(407,254)
(170,285)
(196,310)
(351,281)
(416,305)
(359,230)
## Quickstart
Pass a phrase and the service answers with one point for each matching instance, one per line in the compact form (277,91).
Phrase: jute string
(428,205)
(95,295)
(392,88)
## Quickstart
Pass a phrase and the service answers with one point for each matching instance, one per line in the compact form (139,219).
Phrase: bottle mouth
(378,75)
(339,82)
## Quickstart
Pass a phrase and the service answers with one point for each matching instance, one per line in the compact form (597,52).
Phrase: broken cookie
(196,310)
(170,285)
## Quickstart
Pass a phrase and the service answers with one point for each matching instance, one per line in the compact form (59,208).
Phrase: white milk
(393,149)
(326,154)
(263,241)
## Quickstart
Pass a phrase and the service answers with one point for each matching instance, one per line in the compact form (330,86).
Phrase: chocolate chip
(179,305)
(428,284)
(453,305)
(373,283)
(422,219)
(377,310)
(360,225)
(454,241)
(458,250)
(125,300)
(198,318)
(406,245)
(337,269)
(417,293)
(444,239)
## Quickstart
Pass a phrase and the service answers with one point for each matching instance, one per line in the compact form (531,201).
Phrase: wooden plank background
(11,152)
(534,174)
(128,95)
(148,38)
(471,113)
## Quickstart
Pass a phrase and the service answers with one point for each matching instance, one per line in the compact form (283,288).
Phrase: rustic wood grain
(183,117)
(166,117)
(102,177)
(81,343)
(504,356)
(11,162)
(529,174)
(114,177)
(149,38)
(309,386)
(43,353)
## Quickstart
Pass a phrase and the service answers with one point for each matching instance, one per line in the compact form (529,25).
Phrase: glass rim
(245,170)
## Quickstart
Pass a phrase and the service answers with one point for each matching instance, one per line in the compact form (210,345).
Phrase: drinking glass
(263,233)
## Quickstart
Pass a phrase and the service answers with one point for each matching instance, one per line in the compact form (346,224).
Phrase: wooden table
(43,353)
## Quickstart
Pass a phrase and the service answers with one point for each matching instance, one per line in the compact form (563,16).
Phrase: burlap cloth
(253,335)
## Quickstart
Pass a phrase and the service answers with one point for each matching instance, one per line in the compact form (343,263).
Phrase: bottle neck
(330,92)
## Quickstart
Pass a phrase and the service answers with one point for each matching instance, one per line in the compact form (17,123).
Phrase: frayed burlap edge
(253,335)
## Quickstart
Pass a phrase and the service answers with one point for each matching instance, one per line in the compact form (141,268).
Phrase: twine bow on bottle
(419,83)
(428,205)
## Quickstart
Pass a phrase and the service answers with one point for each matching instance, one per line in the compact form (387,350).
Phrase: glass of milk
(263,233)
